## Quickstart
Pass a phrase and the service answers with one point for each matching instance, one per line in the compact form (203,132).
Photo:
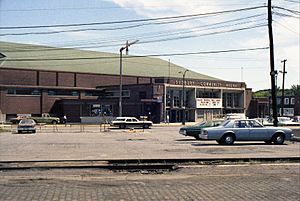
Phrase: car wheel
(278,139)
(227,139)
(146,126)
(197,137)
(122,126)
(33,131)
(19,132)
(54,122)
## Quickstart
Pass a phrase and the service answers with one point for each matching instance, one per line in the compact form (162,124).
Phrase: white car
(125,122)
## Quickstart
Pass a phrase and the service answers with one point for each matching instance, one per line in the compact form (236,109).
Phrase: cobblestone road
(239,182)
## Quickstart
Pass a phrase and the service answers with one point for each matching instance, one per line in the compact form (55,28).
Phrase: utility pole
(183,96)
(272,73)
(283,77)
(121,74)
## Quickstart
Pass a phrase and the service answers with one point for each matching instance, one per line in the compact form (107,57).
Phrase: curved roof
(28,56)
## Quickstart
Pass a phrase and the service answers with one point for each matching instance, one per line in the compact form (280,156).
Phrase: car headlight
(204,132)
(182,132)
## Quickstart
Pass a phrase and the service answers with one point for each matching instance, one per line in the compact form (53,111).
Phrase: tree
(295,89)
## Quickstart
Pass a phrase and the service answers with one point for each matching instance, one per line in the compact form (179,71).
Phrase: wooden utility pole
(283,78)
(272,73)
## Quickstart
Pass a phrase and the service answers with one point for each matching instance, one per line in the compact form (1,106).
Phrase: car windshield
(224,124)
(202,123)
(120,119)
(26,121)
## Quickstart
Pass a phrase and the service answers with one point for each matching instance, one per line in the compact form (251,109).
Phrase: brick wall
(18,77)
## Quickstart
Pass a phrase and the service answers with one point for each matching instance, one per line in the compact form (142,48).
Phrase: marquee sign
(209,103)
(208,83)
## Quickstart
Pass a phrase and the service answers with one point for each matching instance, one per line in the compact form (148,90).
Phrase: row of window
(287,101)
(37,92)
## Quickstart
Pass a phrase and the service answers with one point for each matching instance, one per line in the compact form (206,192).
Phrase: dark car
(26,125)
(195,130)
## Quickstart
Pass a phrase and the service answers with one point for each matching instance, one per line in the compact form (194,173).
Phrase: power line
(113,7)
(292,1)
(193,30)
(285,15)
(130,21)
(141,56)
(289,10)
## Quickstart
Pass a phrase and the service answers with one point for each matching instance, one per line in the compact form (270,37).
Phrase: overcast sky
(218,28)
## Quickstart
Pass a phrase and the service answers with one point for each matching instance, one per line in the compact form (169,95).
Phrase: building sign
(208,83)
(209,102)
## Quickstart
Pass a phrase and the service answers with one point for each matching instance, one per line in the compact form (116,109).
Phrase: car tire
(54,122)
(278,139)
(219,141)
(146,126)
(33,131)
(122,126)
(19,132)
(197,137)
(228,139)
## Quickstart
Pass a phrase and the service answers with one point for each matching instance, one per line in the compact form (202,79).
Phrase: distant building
(40,79)
(261,107)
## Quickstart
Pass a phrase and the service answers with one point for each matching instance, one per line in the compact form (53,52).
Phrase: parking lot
(74,142)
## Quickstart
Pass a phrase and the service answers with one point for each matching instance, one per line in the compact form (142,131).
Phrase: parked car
(195,130)
(296,119)
(45,118)
(125,122)
(26,125)
(246,130)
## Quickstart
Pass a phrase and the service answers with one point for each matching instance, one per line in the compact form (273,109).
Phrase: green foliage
(295,89)
(262,93)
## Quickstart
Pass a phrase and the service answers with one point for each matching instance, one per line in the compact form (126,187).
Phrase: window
(236,100)
(176,101)
(286,101)
(23,91)
(62,93)
(116,93)
(168,98)
(292,101)
(228,100)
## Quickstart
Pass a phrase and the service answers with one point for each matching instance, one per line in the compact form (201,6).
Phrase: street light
(183,95)
(121,84)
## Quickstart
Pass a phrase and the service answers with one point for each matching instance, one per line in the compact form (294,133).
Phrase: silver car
(26,125)
(245,130)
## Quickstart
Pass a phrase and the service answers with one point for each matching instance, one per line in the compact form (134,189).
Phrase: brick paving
(250,182)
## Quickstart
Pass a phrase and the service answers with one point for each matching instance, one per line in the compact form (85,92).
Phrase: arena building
(38,79)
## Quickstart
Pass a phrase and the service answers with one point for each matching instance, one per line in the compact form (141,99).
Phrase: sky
(188,26)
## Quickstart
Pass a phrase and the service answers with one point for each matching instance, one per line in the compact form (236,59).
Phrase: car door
(241,130)
(129,122)
(257,131)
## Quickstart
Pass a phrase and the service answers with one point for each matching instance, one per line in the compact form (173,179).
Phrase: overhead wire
(155,35)
(138,56)
(130,21)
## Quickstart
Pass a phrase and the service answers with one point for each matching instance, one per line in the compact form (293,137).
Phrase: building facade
(33,92)
(40,79)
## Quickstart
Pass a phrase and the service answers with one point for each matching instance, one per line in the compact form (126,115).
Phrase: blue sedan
(245,130)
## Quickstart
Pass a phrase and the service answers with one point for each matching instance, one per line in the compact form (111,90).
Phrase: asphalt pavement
(161,142)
